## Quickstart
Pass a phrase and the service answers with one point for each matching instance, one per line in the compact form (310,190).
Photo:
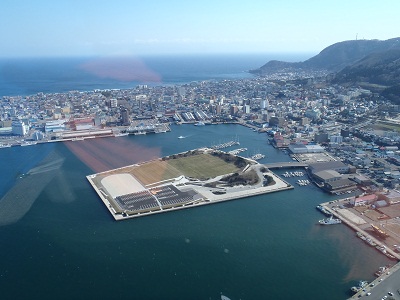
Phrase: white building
(19,128)
(55,126)
(38,135)
(301,148)
(336,139)
(113,103)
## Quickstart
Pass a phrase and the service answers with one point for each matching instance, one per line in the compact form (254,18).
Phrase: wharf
(173,193)
(392,275)
(81,135)
(351,223)
(208,197)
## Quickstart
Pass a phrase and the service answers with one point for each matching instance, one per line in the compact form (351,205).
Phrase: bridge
(286,164)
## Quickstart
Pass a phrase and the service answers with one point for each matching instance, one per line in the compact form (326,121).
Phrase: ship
(370,242)
(121,134)
(28,143)
(329,221)
(323,210)
(382,270)
(357,288)
(257,156)
(359,234)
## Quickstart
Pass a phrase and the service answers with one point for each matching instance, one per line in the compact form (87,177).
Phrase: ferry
(329,221)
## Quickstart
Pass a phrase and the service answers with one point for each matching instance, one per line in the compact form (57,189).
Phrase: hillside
(381,68)
(333,58)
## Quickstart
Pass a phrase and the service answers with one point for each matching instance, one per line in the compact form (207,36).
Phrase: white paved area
(121,184)
(351,216)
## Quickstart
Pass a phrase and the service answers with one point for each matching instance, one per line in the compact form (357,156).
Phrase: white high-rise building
(264,104)
(19,128)
(38,136)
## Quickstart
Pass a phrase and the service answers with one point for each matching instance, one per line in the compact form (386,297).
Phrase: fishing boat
(329,221)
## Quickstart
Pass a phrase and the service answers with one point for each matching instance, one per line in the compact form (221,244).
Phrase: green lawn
(202,166)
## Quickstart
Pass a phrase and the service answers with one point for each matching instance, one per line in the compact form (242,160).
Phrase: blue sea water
(67,246)
(26,76)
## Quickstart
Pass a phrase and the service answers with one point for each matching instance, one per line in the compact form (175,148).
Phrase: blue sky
(131,27)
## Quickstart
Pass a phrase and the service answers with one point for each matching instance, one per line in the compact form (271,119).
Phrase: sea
(27,76)
(58,240)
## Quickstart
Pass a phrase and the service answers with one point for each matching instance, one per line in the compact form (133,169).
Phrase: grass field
(386,126)
(199,166)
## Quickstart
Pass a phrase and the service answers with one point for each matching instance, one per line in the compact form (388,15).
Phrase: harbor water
(58,241)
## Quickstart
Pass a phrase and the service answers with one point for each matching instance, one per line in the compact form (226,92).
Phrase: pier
(127,193)
(281,165)
(388,281)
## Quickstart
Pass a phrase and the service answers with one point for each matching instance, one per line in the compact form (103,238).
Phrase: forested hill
(333,58)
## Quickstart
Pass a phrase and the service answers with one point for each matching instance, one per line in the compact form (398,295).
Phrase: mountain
(380,68)
(333,58)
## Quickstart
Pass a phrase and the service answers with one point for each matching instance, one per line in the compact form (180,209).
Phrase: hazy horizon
(65,28)
(288,54)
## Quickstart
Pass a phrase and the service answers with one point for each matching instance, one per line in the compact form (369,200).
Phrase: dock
(392,275)
(127,196)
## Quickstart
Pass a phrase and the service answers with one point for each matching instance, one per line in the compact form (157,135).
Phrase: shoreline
(82,135)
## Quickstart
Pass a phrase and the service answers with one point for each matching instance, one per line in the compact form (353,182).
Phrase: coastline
(81,135)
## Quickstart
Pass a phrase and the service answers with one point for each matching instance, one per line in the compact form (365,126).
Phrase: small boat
(361,284)
(121,134)
(382,270)
(370,242)
(28,143)
(323,210)
(257,156)
(181,137)
(199,124)
(329,221)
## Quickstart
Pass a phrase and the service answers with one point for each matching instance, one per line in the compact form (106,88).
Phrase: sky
(146,27)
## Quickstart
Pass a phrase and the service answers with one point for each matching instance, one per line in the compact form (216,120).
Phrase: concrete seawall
(392,274)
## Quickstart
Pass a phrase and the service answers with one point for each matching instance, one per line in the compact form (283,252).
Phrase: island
(189,179)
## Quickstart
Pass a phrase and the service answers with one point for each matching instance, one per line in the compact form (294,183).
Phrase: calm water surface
(67,246)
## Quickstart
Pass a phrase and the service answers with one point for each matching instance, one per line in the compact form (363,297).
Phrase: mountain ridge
(332,58)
